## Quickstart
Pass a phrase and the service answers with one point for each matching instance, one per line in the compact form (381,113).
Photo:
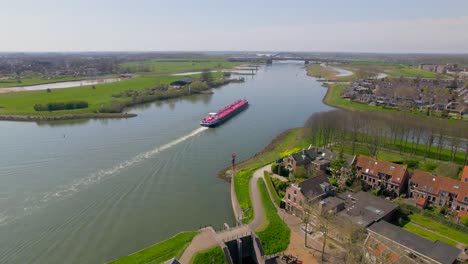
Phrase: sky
(397,26)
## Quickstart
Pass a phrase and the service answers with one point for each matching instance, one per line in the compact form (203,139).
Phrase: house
(387,243)
(364,209)
(390,176)
(301,158)
(465,174)
(439,190)
(299,195)
(315,158)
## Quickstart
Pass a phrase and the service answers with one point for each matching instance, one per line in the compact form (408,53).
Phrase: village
(373,196)
(448,97)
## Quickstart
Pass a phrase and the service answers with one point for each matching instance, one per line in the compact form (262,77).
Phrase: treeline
(61,106)
(426,137)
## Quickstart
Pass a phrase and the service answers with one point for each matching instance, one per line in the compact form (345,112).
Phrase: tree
(464,220)
(207,77)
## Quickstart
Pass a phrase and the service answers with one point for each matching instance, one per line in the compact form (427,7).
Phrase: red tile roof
(429,183)
(465,174)
(372,167)
(421,201)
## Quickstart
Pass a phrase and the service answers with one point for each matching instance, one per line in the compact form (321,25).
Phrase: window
(465,199)
(359,168)
(431,190)
(381,174)
(424,187)
(433,199)
(289,196)
(294,199)
(443,193)
(300,203)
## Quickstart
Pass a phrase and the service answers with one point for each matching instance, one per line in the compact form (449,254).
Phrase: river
(90,191)
(60,85)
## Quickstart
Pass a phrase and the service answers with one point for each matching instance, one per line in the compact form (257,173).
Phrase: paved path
(205,240)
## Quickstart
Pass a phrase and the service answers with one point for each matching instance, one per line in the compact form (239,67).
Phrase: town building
(300,195)
(427,188)
(364,209)
(390,176)
(387,243)
(314,159)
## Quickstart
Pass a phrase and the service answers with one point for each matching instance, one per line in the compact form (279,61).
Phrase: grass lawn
(241,187)
(274,233)
(158,253)
(36,80)
(439,228)
(211,255)
(426,234)
(21,103)
(180,65)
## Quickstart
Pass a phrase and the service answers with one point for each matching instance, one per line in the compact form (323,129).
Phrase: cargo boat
(216,119)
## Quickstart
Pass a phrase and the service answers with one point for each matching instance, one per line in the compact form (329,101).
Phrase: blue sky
(143,25)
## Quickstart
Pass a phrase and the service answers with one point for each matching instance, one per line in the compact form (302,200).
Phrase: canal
(90,191)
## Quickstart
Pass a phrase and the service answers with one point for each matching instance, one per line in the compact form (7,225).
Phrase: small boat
(216,119)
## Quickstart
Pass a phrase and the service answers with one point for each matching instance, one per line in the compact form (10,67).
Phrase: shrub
(430,166)
(275,168)
(61,106)
(464,220)
(412,164)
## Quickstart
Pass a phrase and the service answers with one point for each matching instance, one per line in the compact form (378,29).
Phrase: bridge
(283,56)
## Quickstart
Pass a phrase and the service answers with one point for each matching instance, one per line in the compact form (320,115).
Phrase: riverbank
(24,82)
(107,100)
(32,118)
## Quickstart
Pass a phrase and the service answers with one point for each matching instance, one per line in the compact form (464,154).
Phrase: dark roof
(172,261)
(437,250)
(304,156)
(314,187)
(331,202)
(364,209)
(183,82)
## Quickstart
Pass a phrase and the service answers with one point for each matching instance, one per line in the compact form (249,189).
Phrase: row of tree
(428,137)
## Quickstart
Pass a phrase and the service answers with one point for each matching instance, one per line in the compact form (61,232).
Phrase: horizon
(400,27)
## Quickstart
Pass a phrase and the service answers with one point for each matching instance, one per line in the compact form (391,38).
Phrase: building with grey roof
(396,245)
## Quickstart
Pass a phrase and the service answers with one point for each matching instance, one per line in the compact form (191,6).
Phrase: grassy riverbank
(160,252)
(212,255)
(178,65)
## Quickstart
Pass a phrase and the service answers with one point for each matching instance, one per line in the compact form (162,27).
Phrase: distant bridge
(282,56)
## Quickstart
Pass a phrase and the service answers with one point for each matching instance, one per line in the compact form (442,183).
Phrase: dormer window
(465,199)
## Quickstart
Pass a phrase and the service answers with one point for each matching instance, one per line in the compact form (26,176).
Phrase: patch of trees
(61,106)
(280,169)
(429,138)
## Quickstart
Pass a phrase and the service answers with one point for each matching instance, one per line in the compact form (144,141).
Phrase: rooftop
(373,167)
(364,209)
(437,250)
(315,186)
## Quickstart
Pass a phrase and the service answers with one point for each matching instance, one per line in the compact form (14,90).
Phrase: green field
(159,253)
(21,103)
(182,65)
(439,228)
(274,233)
(36,80)
(427,234)
(392,70)
(212,255)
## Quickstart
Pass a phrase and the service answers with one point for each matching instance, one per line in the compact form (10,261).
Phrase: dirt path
(255,196)
(204,240)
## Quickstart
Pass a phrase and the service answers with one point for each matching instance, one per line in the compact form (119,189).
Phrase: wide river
(93,191)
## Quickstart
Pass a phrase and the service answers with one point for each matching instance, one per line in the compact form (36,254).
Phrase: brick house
(301,158)
(439,190)
(390,176)
(298,196)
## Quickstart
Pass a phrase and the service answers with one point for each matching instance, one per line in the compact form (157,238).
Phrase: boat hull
(226,118)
